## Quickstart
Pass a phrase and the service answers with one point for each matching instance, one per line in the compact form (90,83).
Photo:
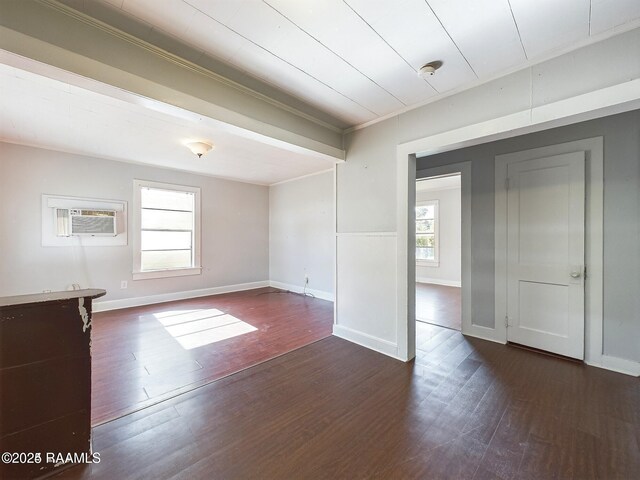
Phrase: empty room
(319,239)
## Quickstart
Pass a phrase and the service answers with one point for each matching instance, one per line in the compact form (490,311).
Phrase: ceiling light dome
(199,148)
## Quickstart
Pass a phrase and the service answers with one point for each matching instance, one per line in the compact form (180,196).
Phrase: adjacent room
(153,235)
(439,251)
(438,260)
(319,239)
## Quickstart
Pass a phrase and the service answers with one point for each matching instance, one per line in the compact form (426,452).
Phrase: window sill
(176,272)
(427,263)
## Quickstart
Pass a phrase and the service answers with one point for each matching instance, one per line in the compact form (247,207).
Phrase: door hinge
(585,272)
(506,321)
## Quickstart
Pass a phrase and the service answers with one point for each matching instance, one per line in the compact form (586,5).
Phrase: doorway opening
(438,229)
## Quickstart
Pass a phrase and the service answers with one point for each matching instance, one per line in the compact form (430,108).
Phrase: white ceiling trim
(133,162)
(301,177)
(181,61)
(439,183)
(87,19)
(528,64)
(55,73)
(611,100)
(101,121)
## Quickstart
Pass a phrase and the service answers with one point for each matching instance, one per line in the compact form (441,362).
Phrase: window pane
(166,240)
(161,260)
(425,232)
(164,220)
(425,211)
(425,253)
(427,240)
(424,226)
(170,200)
(431,240)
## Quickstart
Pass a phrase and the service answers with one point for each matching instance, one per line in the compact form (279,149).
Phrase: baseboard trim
(437,281)
(168,297)
(369,341)
(321,294)
(606,362)
(620,365)
(483,333)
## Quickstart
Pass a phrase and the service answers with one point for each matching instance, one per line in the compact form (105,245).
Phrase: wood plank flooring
(464,409)
(439,304)
(146,354)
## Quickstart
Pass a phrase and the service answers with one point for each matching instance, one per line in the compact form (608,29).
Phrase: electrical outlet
(123,284)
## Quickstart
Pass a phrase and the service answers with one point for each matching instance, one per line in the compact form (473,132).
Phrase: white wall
(302,234)
(235,226)
(450,238)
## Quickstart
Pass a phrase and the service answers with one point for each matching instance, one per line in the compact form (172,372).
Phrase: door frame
(594,231)
(577,108)
(464,168)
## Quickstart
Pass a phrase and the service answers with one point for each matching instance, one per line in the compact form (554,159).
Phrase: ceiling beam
(53,34)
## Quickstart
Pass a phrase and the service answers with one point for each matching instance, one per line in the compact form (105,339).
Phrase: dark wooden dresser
(45,380)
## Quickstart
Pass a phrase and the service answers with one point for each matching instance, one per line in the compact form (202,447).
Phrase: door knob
(576,274)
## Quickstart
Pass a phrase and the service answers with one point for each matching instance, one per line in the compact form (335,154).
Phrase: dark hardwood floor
(439,304)
(465,409)
(146,354)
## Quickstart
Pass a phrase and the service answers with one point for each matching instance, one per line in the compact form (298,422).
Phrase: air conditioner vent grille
(93,222)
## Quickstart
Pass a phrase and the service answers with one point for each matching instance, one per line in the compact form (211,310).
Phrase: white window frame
(138,274)
(436,234)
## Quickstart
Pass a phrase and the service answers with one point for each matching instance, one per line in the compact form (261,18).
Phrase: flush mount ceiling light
(199,148)
(429,69)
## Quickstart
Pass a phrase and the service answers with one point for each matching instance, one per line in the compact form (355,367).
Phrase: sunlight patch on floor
(196,328)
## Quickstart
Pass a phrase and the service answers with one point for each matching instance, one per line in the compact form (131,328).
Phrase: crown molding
(181,62)
(591,40)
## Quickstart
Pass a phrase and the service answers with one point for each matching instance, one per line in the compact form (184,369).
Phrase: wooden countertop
(51,297)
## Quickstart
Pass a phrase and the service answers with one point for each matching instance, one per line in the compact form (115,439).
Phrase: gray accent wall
(235,226)
(621,220)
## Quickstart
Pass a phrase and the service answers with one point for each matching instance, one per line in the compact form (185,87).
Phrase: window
(166,231)
(427,233)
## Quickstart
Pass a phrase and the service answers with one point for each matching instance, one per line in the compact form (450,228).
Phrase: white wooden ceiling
(439,183)
(358,59)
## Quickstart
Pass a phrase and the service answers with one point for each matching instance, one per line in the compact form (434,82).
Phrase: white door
(545,253)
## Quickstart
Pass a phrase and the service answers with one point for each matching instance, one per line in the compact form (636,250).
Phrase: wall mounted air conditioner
(92,222)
